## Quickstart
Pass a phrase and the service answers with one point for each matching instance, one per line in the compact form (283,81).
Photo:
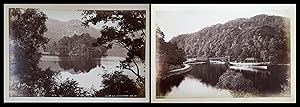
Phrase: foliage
(168,53)
(26,28)
(39,85)
(27,79)
(69,88)
(263,37)
(117,83)
(46,85)
(121,27)
(77,45)
(235,81)
(286,88)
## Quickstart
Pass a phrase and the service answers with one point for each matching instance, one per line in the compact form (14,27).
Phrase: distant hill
(59,29)
(117,51)
(263,37)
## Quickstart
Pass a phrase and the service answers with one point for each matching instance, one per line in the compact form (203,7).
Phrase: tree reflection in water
(208,73)
(43,83)
(241,83)
(78,64)
(115,84)
(268,82)
(164,86)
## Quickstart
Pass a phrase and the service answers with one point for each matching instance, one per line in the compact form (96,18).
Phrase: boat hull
(259,65)
(250,64)
(249,69)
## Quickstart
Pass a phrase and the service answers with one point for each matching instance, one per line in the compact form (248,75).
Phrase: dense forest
(58,29)
(264,37)
(169,56)
(77,45)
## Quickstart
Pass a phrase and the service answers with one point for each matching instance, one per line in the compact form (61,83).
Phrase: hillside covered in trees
(77,45)
(58,29)
(169,56)
(264,37)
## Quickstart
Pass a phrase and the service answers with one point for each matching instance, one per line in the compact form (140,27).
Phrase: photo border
(8,99)
(174,7)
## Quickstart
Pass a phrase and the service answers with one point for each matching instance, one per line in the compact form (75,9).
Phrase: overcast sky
(65,15)
(175,20)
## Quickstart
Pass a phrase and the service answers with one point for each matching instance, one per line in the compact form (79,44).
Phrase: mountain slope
(263,37)
(117,51)
(58,29)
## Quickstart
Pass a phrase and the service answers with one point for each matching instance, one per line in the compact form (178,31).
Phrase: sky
(65,15)
(175,20)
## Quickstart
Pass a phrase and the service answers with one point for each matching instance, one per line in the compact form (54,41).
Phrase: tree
(220,51)
(26,29)
(26,36)
(159,35)
(259,33)
(127,30)
(79,45)
(168,53)
(68,88)
(117,83)
(51,47)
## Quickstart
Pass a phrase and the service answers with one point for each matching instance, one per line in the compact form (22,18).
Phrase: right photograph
(223,53)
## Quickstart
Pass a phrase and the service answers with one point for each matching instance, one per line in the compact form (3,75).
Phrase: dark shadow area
(208,73)
(78,64)
(164,86)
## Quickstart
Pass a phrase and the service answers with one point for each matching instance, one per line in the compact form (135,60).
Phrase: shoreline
(179,71)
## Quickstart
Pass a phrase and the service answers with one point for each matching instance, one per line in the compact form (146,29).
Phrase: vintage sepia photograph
(96,52)
(223,53)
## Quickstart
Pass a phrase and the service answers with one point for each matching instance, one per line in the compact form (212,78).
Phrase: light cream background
(66,7)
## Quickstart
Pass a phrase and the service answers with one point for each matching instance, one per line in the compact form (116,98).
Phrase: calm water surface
(86,71)
(202,81)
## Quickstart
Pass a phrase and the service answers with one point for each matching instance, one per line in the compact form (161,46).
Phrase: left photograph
(76,51)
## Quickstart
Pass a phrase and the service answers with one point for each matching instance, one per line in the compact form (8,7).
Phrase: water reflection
(268,81)
(164,86)
(240,82)
(78,64)
(81,68)
(208,73)
(196,89)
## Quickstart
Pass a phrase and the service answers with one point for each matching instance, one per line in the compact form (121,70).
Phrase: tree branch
(122,45)
(139,77)
(137,67)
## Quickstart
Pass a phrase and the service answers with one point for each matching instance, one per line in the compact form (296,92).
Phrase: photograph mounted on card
(223,53)
(88,52)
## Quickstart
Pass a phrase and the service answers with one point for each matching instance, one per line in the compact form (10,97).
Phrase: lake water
(86,71)
(202,81)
